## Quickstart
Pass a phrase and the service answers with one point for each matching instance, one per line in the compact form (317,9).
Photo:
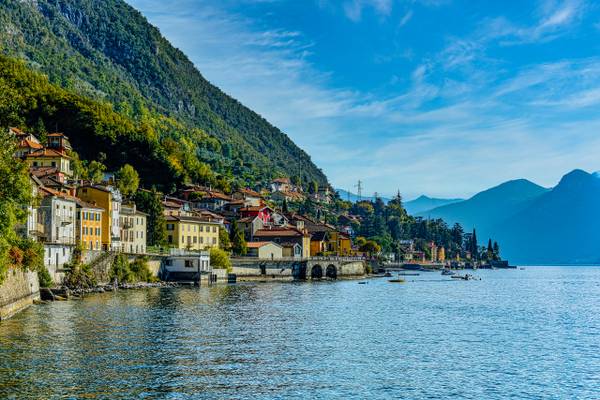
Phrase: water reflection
(532,333)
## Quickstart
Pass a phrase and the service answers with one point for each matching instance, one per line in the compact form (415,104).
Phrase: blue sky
(440,97)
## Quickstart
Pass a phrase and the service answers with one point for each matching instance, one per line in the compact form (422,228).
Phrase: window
(201,228)
(214,229)
(189,264)
(201,239)
(168,263)
(214,240)
(195,240)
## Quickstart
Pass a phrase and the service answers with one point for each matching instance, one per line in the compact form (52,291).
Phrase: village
(95,218)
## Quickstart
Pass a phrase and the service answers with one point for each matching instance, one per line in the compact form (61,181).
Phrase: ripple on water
(514,334)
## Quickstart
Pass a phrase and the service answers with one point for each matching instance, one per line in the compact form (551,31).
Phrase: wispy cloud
(354,8)
(458,112)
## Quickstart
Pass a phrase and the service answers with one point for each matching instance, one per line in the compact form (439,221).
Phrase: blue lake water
(523,334)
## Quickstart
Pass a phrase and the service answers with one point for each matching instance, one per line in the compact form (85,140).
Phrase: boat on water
(466,277)
(448,272)
(408,274)
(399,280)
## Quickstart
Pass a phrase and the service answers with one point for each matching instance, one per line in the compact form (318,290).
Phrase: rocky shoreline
(66,293)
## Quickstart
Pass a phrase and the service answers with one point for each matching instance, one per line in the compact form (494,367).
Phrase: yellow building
(192,233)
(109,200)
(89,225)
(330,242)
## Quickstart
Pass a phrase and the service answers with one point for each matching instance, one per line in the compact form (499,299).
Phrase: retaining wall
(17,292)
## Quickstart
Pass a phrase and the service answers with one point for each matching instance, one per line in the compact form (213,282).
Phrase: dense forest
(119,67)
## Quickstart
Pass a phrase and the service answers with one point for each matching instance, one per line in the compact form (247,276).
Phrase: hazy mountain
(349,196)
(534,225)
(560,226)
(488,208)
(424,203)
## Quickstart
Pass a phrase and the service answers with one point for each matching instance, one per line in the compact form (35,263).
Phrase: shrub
(79,276)
(219,259)
(140,270)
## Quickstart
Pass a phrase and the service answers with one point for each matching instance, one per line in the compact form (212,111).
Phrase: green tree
(149,202)
(224,242)
(238,242)
(15,196)
(128,180)
(371,247)
(219,259)
(95,171)
(496,250)
(490,250)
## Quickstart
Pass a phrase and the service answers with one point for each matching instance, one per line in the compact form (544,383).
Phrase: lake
(525,334)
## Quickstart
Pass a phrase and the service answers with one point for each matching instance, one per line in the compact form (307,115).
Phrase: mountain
(424,203)
(349,196)
(560,226)
(488,208)
(106,51)
(534,225)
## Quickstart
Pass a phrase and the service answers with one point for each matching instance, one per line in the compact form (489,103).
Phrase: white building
(185,265)
(58,211)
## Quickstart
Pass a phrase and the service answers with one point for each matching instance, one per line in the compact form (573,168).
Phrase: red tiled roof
(256,245)
(47,153)
(30,144)
(281,180)
(250,192)
(278,232)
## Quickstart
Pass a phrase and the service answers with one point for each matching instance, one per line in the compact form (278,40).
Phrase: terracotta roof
(57,134)
(281,180)
(254,208)
(16,131)
(278,232)
(199,220)
(47,153)
(41,172)
(51,192)
(216,195)
(250,192)
(30,144)
(83,204)
(256,245)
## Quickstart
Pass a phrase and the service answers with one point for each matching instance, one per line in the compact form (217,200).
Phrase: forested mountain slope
(107,51)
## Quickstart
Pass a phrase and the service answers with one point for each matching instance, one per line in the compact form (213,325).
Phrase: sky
(437,97)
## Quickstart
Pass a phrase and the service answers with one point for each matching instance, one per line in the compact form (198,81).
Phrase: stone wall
(262,269)
(17,292)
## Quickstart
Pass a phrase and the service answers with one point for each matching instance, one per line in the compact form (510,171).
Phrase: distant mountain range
(349,196)
(423,204)
(533,224)
(418,205)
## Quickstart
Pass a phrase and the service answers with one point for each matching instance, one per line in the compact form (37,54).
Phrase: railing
(299,259)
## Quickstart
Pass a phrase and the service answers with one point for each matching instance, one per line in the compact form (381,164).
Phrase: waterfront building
(265,250)
(192,233)
(108,198)
(33,228)
(89,225)
(285,235)
(58,212)
(184,265)
(133,229)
